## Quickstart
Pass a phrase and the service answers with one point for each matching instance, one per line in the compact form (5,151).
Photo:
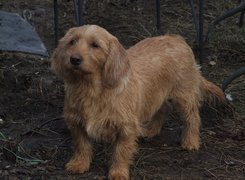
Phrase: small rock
(7,167)
(228,97)
(211,132)
(212,63)
(1,121)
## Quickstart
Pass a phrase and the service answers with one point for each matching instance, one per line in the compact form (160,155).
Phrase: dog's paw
(190,141)
(118,175)
(77,166)
(190,145)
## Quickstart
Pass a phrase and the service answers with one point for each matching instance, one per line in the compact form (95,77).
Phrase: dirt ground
(34,141)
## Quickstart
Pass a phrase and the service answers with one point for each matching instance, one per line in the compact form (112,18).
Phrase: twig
(31,161)
(233,159)
(48,121)
(211,173)
(13,66)
(41,125)
(2,136)
(144,28)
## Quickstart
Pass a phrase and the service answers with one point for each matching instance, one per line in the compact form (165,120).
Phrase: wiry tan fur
(119,95)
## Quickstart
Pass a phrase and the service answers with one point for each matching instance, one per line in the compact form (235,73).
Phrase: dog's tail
(212,92)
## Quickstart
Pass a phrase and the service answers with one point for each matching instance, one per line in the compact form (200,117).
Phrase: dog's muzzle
(75,60)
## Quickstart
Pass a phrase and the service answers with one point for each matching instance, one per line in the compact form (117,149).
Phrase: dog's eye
(94,45)
(73,42)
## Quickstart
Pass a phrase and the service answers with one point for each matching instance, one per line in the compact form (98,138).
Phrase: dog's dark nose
(75,60)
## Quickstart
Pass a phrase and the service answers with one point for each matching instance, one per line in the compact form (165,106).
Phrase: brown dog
(118,95)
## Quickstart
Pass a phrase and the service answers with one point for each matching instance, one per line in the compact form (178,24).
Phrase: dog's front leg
(81,159)
(125,147)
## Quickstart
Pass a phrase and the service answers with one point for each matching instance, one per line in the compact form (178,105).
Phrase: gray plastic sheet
(17,35)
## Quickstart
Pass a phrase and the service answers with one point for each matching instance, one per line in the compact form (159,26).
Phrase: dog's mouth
(76,68)
(76,75)
(80,70)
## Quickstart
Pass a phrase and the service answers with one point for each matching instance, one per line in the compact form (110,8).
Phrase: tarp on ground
(17,35)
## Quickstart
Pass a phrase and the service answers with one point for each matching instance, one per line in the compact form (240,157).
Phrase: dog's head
(87,52)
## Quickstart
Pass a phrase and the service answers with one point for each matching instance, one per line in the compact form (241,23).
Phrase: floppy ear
(55,65)
(58,53)
(116,65)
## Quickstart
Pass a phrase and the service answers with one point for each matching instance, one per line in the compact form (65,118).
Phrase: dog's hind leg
(153,127)
(188,103)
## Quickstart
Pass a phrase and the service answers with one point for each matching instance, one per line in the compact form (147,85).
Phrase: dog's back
(163,59)
(167,69)
(162,50)
(164,64)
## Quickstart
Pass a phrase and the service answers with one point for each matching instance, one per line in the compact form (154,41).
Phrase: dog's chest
(103,130)
(98,116)
(100,123)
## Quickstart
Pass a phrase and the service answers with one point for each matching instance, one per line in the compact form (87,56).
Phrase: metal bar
(200,34)
(75,9)
(233,76)
(229,13)
(194,18)
(158,16)
(80,12)
(242,15)
(56,29)
(241,19)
